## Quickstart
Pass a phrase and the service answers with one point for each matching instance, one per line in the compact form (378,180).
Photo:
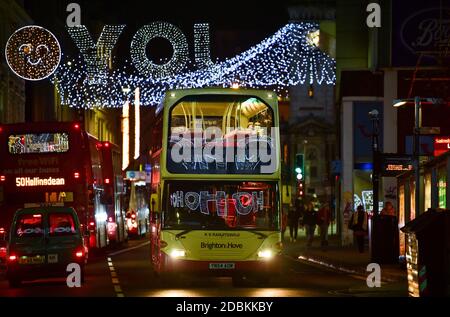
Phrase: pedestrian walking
(310,221)
(358,223)
(284,221)
(293,218)
(323,221)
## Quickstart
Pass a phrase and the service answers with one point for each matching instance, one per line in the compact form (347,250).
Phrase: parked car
(42,242)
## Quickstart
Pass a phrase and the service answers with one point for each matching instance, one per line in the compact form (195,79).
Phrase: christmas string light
(97,56)
(285,59)
(169,32)
(201,46)
(33,52)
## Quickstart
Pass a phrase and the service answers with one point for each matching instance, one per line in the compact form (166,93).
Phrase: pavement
(335,257)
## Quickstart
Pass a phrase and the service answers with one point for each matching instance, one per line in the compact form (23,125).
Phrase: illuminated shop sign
(418,30)
(393,164)
(441,145)
(399,167)
(37,181)
(135,175)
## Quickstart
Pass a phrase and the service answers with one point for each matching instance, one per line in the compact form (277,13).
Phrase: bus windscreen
(229,205)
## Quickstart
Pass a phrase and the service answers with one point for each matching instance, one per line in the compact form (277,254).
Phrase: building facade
(402,59)
(12,87)
(310,128)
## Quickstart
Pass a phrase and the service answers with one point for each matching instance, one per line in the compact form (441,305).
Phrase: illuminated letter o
(169,32)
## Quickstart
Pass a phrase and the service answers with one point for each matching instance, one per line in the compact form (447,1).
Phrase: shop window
(401,218)
(442,187)
(427,184)
(412,213)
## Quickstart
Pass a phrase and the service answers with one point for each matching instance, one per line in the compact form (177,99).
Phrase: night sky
(235,26)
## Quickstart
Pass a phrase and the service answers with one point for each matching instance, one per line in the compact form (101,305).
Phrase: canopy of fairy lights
(285,59)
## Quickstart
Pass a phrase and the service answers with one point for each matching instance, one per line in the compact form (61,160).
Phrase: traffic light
(299,167)
(300,172)
(300,189)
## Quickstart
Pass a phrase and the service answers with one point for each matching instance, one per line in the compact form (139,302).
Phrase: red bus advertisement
(57,164)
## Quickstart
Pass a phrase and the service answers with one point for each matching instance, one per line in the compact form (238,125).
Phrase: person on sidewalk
(388,210)
(310,221)
(293,217)
(323,221)
(284,220)
(358,223)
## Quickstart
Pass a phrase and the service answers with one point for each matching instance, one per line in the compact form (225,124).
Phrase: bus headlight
(177,253)
(265,254)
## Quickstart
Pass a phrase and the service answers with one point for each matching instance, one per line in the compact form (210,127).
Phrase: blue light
(364,166)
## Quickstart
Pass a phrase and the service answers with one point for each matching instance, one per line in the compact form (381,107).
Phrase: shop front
(434,192)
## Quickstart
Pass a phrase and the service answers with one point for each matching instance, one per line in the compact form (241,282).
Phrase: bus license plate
(53,258)
(221,266)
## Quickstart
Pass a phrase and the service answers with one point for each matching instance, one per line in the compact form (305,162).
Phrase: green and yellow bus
(215,201)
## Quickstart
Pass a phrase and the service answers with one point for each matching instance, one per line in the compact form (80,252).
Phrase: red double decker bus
(56,163)
(113,185)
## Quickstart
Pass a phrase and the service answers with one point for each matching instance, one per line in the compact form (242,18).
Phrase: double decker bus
(215,192)
(54,163)
(113,186)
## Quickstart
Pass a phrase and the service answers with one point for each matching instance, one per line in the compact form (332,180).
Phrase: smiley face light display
(33,53)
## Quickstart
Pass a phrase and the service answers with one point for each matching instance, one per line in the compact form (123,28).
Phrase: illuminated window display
(427,183)
(412,189)
(362,190)
(442,186)
(401,218)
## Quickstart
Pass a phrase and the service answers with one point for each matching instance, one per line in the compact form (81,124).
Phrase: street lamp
(374,239)
(375,155)
(417,127)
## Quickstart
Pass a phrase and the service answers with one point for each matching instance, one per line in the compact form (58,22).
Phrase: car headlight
(177,253)
(265,254)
